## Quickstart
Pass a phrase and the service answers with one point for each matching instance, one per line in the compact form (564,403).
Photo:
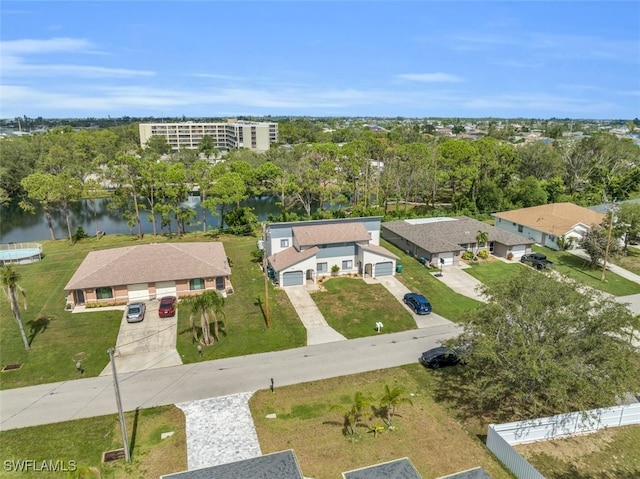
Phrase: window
(321,268)
(520,228)
(347,264)
(284,243)
(104,293)
(219,283)
(196,284)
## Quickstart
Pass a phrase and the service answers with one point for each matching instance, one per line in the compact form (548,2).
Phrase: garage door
(165,288)
(447,257)
(292,278)
(518,251)
(138,292)
(383,269)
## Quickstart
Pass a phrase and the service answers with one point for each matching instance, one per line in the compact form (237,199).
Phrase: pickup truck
(537,260)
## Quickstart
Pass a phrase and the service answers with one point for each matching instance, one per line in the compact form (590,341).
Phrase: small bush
(467,256)
(483,254)
(509,255)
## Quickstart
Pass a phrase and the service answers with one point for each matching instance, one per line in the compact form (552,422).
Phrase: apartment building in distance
(234,134)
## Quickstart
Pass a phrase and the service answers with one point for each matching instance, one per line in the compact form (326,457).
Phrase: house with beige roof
(442,240)
(145,272)
(544,224)
(303,251)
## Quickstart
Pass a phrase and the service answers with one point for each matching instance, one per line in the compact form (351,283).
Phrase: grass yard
(352,307)
(425,432)
(576,268)
(83,441)
(607,454)
(246,331)
(631,261)
(493,272)
(416,277)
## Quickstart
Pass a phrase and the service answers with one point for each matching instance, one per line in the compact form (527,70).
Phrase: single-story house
(144,272)
(544,224)
(305,250)
(400,468)
(284,465)
(442,240)
(280,465)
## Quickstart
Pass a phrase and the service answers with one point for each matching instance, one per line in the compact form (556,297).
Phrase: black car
(439,358)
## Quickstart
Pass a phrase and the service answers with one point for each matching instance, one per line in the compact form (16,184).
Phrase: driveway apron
(149,344)
(461,282)
(318,330)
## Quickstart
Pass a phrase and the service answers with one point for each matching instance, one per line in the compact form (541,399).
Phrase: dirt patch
(571,448)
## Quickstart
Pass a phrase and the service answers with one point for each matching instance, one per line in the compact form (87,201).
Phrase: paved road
(82,398)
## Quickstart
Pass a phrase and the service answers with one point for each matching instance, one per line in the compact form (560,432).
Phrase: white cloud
(431,77)
(29,46)
(15,67)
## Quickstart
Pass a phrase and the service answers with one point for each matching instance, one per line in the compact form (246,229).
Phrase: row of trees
(365,175)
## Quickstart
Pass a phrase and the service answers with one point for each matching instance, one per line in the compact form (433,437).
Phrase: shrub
(335,268)
(509,255)
(467,256)
(483,254)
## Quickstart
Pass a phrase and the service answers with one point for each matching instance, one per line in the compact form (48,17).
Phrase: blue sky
(543,59)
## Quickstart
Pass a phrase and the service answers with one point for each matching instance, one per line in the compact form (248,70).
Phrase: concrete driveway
(461,282)
(318,330)
(149,344)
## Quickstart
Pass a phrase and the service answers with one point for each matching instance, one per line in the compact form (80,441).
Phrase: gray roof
(279,465)
(398,469)
(476,473)
(379,250)
(447,234)
(150,263)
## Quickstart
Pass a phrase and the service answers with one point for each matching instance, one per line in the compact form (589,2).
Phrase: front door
(79,296)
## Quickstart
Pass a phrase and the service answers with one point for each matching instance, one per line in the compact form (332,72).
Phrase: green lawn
(246,331)
(352,307)
(80,444)
(493,272)
(631,261)
(576,268)
(416,277)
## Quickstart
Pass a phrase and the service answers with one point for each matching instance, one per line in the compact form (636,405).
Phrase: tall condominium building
(233,134)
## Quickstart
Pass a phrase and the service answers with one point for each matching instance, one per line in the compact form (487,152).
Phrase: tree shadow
(38,326)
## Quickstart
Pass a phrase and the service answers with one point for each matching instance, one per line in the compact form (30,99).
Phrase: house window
(347,264)
(196,284)
(520,229)
(284,243)
(104,293)
(220,283)
(321,268)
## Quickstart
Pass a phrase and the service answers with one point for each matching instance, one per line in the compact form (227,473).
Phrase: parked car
(135,312)
(418,303)
(537,260)
(439,357)
(167,307)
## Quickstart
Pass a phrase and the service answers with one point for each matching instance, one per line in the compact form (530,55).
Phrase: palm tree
(10,279)
(481,238)
(208,306)
(391,400)
(353,412)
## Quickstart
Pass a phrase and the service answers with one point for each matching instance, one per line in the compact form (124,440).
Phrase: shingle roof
(556,218)
(280,465)
(150,263)
(374,248)
(398,469)
(290,256)
(447,234)
(330,234)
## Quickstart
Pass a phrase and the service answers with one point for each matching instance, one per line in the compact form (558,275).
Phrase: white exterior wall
(372,258)
(303,266)
(375,237)
(338,261)
(275,247)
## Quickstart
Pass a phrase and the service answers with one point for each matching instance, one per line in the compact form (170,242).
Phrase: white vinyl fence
(501,437)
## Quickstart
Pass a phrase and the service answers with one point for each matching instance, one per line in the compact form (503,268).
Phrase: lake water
(17,225)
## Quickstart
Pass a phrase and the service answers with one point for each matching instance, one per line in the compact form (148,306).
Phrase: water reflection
(17,225)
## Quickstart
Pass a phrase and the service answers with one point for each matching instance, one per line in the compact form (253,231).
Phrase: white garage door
(138,292)
(384,269)
(293,278)
(518,251)
(447,257)
(165,288)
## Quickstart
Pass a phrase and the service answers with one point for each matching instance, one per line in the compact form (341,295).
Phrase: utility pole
(123,426)
(266,278)
(606,249)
